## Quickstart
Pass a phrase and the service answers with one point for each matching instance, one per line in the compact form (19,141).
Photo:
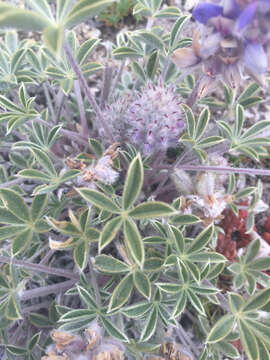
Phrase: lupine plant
(132,172)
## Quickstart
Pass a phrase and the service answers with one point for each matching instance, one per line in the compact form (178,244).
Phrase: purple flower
(203,12)
(255,58)
(237,38)
(246,16)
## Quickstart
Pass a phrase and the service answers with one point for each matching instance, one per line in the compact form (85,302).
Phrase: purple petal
(246,16)
(231,9)
(203,12)
(255,58)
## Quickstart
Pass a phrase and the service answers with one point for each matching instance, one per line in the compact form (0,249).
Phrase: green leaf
(180,305)
(202,239)
(190,121)
(53,37)
(169,287)
(113,330)
(152,64)
(176,30)
(9,105)
(44,161)
(169,12)
(248,341)
(260,264)
(15,203)
(109,232)
(17,59)
(196,302)
(124,52)
(20,19)
(121,293)
(83,10)
(133,183)
(239,120)
(256,129)
(180,220)
(257,301)
(142,283)
(178,240)
(109,264)
(138,70)
(150,325)
(210,141)
(134,241)
(151,39)
(249,91)
(6,217)
(16,350)
(153,264)
(81,254)
(137,310)
(40,321)
(228,350)
(42,7)
(96,147)
(202,123)
(86,49)
(12,311)
(221,329)
(6,232)
(260,329)
(98,199)
(87,297)
(38,206)
(21,241)
(77,315)
(151,209)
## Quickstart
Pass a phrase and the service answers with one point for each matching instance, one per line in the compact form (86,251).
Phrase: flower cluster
(152,121)
(93,346)
(235,37)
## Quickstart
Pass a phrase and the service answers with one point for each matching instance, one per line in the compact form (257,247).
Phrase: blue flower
(203,12)
(255,58)
(247,15)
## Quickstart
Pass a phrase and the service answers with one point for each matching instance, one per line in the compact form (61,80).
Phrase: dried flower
(235,36)
(205,194)
(152,121)
(90,346)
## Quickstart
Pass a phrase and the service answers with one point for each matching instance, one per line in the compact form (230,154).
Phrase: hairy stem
(78,94)
(49,101)
(39,268)
(86,90)
(226,170)
(106,86)
(46,290)
(11,183)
